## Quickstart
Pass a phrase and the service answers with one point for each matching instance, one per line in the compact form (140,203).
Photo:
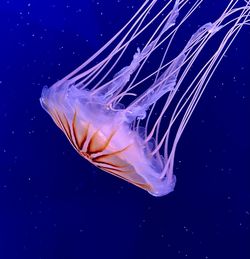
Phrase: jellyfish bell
(104,137)
(124,138)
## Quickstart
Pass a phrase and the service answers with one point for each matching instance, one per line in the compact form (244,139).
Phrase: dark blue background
(53,204)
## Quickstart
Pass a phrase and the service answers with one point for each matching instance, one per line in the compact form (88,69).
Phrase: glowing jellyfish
(108,112)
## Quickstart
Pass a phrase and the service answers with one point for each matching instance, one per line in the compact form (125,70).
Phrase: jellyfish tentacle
(94,71)
(78,69)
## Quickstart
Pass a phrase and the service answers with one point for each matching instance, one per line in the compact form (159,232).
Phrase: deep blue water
(54,204)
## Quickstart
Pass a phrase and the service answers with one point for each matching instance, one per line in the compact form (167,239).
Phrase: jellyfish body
(111,122)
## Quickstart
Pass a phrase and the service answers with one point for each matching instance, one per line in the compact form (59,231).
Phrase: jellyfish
(128,120)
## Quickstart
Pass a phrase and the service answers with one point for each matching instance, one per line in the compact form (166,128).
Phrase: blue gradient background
(53,204)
